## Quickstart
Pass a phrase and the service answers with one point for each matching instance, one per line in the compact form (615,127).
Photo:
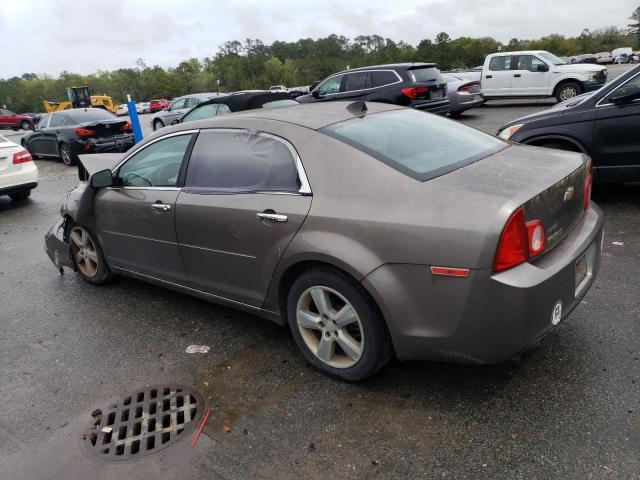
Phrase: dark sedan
(604,124)
(371,230)
(238,102)
(68,133)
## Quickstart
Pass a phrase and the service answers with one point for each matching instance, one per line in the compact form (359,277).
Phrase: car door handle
(517,75)
(488,76)
(162,207)
(272,217)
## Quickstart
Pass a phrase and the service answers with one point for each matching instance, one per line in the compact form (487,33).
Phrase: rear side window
(241,161)
(206,111)
(424,75)
(382,78)
(497,64)
(356,81)
(280,103)
(418,145)
(57,121)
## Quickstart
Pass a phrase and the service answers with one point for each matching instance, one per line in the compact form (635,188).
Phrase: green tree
(634,26)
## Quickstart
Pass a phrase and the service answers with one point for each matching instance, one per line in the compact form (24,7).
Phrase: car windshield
(90,115)
(552,58)
(419,145)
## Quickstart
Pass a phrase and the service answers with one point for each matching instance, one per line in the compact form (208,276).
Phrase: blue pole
(135,121)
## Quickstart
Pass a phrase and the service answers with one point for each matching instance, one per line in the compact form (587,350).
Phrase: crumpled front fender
(58,250)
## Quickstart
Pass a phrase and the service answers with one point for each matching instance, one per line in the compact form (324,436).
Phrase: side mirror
(103,178)
(621,99)
(315,93)
(542,68)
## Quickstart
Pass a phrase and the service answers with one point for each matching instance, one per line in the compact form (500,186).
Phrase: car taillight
(586,199)
(519,241)
(469,87)
(413,92)
(126,127)
(21,157)
(85,132)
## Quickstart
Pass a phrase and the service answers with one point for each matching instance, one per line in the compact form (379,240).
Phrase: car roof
(519,52)
(245,98)
(309,115)
(391,66)
(201,95)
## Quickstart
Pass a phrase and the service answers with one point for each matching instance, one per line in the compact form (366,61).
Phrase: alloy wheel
(567,92)
(330,327)
(65,153)
(84,251)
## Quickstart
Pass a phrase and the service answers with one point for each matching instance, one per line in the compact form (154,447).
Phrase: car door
(329,89)
(135,218)
(356,85)
(40,141)
(176,109)
(6,118)
(530,76)
(496,81)
(245,197)
(616,139)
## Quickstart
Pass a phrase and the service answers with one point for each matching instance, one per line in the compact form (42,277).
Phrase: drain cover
(143,423)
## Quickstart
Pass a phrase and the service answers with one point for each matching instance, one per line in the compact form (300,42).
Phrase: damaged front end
(56,246)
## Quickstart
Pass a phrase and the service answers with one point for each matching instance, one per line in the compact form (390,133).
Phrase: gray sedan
(178,107)
(371,230)
(463,93)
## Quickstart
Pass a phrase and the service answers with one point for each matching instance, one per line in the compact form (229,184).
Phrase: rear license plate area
(584,269)
(435,94)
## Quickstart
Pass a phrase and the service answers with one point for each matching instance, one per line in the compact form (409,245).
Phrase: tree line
(253,64)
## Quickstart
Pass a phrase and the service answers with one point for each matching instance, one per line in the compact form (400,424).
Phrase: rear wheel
(67,155)
(157,124)
(87,256)
(25,125)
(18,196)
(337,325)
(567,90)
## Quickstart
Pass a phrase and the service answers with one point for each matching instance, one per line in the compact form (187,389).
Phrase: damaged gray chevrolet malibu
(371,230)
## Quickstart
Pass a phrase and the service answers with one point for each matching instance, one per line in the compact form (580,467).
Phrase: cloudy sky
(49,36)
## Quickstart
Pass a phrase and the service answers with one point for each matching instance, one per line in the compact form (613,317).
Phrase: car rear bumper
(465,102)
(121,143)
(24,178)
(486,317)
(441,107)
(58,250)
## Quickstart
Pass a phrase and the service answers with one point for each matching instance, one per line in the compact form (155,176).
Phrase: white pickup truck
(537,73)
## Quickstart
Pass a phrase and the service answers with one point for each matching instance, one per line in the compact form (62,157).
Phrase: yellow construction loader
(80,97)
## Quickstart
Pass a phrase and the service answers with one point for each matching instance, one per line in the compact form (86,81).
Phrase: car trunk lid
(106,128)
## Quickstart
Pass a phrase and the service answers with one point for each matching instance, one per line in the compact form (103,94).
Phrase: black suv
(604,124)
(417,85)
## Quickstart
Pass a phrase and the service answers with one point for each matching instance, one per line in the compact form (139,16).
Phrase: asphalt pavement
(570,409)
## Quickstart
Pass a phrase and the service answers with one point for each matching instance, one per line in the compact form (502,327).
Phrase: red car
(15,121)
(157,105)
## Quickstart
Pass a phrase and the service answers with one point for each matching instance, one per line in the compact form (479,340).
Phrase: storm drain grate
(143,423)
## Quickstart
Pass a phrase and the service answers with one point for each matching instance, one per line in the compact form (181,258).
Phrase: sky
(50,36)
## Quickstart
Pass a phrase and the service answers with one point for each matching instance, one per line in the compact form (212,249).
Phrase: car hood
(578,67)
(559,109)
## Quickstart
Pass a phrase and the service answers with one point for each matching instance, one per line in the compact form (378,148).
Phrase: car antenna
(358,108)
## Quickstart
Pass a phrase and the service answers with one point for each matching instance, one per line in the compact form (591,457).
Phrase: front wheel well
(567,80)
(557,143)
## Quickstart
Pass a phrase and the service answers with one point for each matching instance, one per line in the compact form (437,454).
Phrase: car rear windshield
(91,115)
(424,74)
(420,145)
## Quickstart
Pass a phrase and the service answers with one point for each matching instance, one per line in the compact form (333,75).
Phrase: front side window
(43,122)
(530,63)
(157,165)
(356,81)
(497,64)
(56,120)
(205,111)
(177,104)
(191,102)
(331,85)
(241,161)
(279,103)
(5,112)
(421,146)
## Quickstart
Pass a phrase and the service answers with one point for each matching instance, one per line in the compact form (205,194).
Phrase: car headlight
(593,75)
(509,131)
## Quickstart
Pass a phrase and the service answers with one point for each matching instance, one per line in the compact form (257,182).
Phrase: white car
(278,88)
(604,57)
(143,107)
(122,110)
(538,74)
(18,172)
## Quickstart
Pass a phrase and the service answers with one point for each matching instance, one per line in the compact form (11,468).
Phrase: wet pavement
(570,409)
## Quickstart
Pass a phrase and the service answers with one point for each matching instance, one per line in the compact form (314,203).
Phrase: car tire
(19,196)
(348,351)
(567,91)
(88,259)
(157,125)
(67,155)
(25,125)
